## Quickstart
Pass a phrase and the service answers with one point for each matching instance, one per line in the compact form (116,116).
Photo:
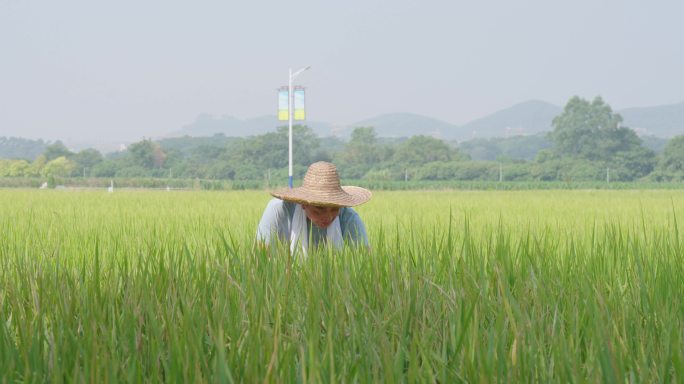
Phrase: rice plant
(489,286)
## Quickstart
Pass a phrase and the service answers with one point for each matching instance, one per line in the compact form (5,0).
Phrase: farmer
(316,213)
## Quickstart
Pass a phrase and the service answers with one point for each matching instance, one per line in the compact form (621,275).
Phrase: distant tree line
(20,148)
(587,143)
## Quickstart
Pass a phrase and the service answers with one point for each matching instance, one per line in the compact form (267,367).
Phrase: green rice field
(458,286)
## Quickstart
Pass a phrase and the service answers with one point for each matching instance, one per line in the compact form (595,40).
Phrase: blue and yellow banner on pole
(299,110)
(283,114)
(299,113)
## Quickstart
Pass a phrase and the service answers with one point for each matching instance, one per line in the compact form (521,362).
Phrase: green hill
(662,121)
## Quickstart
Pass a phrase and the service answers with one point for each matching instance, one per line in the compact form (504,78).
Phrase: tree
(220,170)
(36,168)
(106,168)
(146,154)
(625,155)
(133,171)
(304,140)
(59,167)
(578,130)
(55,150)
(204,153)
(5,167)
(592,132)
(632,164)
(361,153)
(671,164)
(158,156)
(13,168)
(18,168)
(270,150)
(420,150)
(87,158)
(476,170)
(514,147)
(361,148)
(18,148)
(481,149)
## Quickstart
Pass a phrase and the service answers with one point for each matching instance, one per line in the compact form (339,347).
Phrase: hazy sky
(103,70)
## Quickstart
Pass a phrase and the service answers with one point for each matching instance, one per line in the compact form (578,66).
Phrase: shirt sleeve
(273,222)
(353,229)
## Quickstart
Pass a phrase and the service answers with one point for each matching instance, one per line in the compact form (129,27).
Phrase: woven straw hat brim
(349,196)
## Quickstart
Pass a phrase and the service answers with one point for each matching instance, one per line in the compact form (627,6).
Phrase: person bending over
(317,213)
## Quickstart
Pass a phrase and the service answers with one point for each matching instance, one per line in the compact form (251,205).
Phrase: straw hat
(322,188)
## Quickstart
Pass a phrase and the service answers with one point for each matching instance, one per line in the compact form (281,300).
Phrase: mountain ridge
(525,118)
(207,125)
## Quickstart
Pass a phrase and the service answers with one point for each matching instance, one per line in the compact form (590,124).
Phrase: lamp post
(289,113)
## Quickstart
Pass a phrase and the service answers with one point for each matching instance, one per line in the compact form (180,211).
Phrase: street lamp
(289,112)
